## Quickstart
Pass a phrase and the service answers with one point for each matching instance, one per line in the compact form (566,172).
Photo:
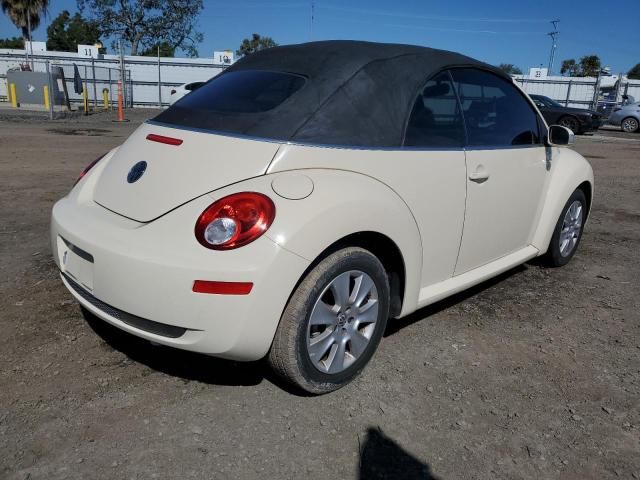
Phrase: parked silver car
(627,117)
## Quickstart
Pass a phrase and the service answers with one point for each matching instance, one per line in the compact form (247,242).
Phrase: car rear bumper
(139,277)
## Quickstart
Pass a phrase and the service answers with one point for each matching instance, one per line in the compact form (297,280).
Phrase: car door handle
(481,175)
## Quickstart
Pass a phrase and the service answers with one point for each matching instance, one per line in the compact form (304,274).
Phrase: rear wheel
(630,125)
(571,123)
(333,322)
(568,231)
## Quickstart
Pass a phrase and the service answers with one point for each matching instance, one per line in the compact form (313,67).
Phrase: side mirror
(560,136)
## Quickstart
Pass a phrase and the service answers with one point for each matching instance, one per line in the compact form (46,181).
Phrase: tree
(634,73)
(166,50)
(248,46)
(590,66)
(569,67)
(145,23)
(15,42)
(510,69)
(66,32)
(24,14)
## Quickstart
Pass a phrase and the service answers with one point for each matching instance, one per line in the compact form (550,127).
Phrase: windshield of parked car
(244,91)
(547,101)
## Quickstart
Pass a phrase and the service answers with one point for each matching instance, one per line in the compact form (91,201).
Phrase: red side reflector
(166,140)
(222,288)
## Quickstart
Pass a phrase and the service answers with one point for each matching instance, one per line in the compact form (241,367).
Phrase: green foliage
(166,50)
(569,67)
(634,73)
(66,32)
(147,23)
(588,66)
(15,42)
(510,69)
(20,12)
(255,43)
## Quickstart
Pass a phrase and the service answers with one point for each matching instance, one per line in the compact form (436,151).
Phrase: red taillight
(86,169)
(166,140)
(222,288)
(234,221)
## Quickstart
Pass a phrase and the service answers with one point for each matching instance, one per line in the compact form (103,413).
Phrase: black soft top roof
(356,93)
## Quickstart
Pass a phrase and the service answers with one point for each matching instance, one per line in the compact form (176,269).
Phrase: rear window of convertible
(244,91)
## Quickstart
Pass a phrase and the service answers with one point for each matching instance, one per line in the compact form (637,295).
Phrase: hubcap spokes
(629,125)
(571,226)
(342,322)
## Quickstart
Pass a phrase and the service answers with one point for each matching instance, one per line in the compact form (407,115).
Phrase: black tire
(628,123)
(289,356)
(570,122)
(554,256)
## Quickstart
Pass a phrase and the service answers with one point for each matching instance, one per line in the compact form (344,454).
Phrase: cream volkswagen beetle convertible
(292,204)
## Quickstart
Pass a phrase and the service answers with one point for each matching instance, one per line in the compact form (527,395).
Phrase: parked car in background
(627,117)
(178,92)
(577,120)
(293,204)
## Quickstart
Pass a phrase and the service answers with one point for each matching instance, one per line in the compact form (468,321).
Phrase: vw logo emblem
(136,172)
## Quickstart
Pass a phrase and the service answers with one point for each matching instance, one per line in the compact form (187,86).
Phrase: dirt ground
(533,375)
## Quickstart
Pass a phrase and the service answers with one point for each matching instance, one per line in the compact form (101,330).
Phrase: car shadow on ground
(395,325)
(178,363)
(215,371)
(382,458)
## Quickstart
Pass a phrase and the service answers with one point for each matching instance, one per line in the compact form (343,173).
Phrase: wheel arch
(352,209)
(569,171)
(384,249)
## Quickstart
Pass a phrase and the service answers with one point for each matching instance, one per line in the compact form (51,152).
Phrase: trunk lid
(176,174)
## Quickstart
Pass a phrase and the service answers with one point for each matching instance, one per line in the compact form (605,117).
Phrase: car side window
(495,112)
(435,119)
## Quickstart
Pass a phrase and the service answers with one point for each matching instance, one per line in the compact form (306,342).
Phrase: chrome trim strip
(342,147)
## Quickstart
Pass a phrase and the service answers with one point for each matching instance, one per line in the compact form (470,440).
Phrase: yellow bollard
(85,98)
(14,97)
(105,98)
(46,96)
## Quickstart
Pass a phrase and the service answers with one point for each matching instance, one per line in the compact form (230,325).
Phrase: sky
(500,31)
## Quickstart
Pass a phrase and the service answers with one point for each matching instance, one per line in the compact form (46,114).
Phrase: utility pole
(554,44)
(313,11)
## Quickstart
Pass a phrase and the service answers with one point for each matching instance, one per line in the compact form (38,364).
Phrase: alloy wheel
(342,322)
(570,123)
(630,125)
(571,227)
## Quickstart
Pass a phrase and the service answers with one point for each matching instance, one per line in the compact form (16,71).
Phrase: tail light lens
(234,221)
(86,169)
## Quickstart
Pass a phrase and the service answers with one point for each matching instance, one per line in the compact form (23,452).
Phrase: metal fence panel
(142,74)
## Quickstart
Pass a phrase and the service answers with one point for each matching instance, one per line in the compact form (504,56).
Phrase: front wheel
(333,322)
(568,231)
(630,125)
(571,123)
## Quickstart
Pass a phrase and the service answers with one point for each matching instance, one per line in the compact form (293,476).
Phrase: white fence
(148,82)
(582,92)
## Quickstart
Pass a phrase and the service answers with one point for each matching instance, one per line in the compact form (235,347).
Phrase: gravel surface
(535,374)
